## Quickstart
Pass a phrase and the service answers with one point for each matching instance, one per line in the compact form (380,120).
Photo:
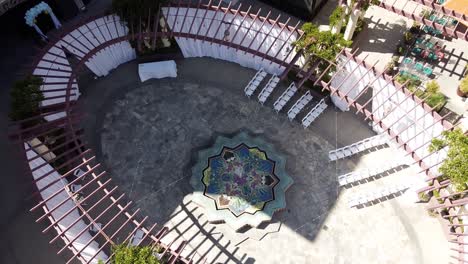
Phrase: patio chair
(418,66)
(427,71)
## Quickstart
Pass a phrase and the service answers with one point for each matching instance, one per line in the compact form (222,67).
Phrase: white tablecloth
(157,70)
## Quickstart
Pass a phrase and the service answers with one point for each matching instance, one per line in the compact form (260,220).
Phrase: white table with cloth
(157,70)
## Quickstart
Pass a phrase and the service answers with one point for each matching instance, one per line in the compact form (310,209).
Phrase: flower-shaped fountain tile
(240,181)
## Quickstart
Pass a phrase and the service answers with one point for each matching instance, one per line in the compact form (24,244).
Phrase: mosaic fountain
(240,181)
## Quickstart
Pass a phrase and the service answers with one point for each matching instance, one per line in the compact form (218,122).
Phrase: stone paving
(147,134)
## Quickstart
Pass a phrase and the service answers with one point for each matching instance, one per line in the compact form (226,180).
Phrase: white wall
(244,37)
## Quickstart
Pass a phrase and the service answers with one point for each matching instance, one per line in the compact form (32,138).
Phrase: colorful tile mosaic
(240,181)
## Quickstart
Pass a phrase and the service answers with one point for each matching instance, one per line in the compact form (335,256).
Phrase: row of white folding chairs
(357,147)
(285,97)
(268,89)
(299,105)
(314,113)
(363,174)
(254,82)
(364,198)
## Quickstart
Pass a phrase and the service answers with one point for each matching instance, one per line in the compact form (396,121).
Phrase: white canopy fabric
(248,33)
(52,184)
(157,70)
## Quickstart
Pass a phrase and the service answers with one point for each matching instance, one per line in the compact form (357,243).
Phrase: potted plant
(415,28)
(408,37)
(400,49)
(454,166)
(389,69)
(26,96)
(463,87)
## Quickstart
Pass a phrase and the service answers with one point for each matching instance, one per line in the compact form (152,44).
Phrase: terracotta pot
(460,93)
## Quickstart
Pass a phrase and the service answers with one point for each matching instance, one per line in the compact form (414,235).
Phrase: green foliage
(425,13)
(455,166)
(322,44)
(464,85)
(432,87)
(431,96)
(25,98)
(401,50)
(434,97)
(408,36)
(125,254)
(359,26)
(436,193)
(133,10)
(336,16)
(436,144)
(413,83)
(436,100)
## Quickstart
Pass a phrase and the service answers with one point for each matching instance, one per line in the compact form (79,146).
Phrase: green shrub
(125,254)
(359,26)
(455,166)
(464,85)
(25,98)
(423,197)
(336,16)
(436,100)
(432,87)
(322,44)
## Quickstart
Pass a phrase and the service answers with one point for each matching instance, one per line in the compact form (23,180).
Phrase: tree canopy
(125,254)
(322,44)
(455,166)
